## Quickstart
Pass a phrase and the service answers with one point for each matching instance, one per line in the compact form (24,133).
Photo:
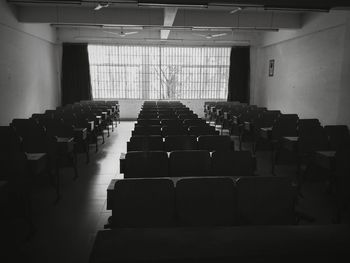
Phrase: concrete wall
(312,65)
(29,80)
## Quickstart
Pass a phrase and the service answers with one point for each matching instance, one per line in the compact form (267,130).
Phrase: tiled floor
(65,231)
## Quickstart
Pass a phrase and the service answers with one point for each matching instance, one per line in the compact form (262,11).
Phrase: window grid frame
(134,80)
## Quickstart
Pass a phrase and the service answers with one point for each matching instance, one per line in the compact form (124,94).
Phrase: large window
(159,72)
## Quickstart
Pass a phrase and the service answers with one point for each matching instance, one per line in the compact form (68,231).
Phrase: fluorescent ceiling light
(76,25)
(237,9)
(55,2)
(144,4)
(257,29)
(160,27)
(162,40)
(101,5)
(296,9)
(127,27)
(234,5)
(203,28)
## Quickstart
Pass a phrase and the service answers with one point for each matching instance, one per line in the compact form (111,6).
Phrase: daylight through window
(159,72)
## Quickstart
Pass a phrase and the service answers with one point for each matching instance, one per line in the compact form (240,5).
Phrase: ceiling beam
(169,18)
(157,17)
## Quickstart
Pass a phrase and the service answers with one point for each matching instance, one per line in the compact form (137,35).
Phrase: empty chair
(230,163)
(194,122)
(307,124)
(205,202)
(189,163)
(147,130)
(145,143)
(180,142)
(265,201)
(171,122)
(146,164)
(312,139)
(148,115)
(33,135)
(148,122)
(267,118)
(285,126)
(215,143)
(184,116)
(338,135)
(167,115)
(143,203)
(342,183)
(202,130)
(173,130)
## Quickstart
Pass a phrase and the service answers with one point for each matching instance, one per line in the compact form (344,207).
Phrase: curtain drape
(238,83)
(75,82)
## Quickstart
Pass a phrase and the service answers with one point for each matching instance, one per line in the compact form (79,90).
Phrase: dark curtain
(238,82)
(75,84)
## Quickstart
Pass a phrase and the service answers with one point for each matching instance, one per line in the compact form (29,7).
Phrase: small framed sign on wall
(271,67)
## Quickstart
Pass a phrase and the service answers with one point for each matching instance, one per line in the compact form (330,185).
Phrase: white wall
(311,69)
(29,79)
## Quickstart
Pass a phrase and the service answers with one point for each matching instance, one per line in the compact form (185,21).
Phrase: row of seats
(180,142)
(52,140)
(195,202)
(302,142)
(174,130)
(146,164)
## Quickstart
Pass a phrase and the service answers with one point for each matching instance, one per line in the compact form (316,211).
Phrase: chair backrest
(143,203)
(146,164)
(145,143)
(205,202)
(147,130)
(312,139)
(27,127)
(285,125)
(167,115)
(230,163)
(180,142)
(148,122)
(187,115)
(268,118)
(214,143)
(189,163)
(173,130)
(202,130)
(171,122)
(342,179)
(148,115)
(265,200)
(338,135)
(194,122)
(306,125)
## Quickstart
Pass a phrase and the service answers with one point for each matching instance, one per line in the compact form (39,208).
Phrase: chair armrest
(122,163)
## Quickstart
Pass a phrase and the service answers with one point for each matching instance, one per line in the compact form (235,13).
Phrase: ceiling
(220,22)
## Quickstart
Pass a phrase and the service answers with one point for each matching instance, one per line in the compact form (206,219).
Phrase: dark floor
(65,231)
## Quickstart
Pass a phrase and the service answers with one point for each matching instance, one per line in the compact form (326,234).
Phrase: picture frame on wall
(271,67)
